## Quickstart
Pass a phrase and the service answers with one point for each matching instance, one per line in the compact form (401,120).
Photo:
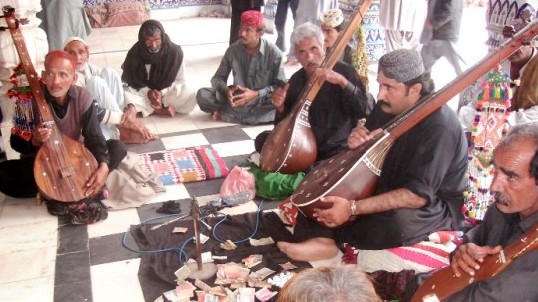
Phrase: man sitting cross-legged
(256,65)
(75,114)
(419,191)
(107,90)
(154,71)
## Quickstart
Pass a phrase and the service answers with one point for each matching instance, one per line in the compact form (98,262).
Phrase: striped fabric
(421,257)
(185,165)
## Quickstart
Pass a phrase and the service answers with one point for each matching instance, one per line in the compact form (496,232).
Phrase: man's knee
(207,99)
(117,151)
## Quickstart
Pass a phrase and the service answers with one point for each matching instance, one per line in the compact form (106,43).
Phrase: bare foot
(216,116)
(166,111)
(309,250)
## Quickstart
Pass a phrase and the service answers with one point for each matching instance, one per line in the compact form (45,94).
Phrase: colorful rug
(185,165)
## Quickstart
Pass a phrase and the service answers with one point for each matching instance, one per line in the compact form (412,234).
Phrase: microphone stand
(199,270)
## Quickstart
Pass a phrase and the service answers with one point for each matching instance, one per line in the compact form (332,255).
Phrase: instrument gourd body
(62,165)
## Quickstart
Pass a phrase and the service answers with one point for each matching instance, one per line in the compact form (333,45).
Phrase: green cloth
(274,185)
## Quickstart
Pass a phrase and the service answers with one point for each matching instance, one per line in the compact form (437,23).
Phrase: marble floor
(43,258)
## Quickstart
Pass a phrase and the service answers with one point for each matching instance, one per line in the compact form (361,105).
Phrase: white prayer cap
(75,39)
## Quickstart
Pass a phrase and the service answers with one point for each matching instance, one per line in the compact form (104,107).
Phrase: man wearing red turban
(257,68)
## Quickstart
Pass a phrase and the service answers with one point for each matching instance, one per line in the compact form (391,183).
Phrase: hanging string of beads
(489,126)
(21,95)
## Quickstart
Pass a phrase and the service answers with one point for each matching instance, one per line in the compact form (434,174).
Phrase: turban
(252,18)
(332,18)
(401,65)
(75,39)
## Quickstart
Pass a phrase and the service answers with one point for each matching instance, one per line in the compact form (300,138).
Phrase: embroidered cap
(252,18)
(332,18)
(401,65)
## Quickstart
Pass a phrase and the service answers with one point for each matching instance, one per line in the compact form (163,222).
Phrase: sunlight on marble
(173,192)
(30,264)
(187,140)
(117,222)
(32,290)
(26,237)
(234,148)
(116,281)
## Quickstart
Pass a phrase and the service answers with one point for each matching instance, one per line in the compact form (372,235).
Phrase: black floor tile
(72,268)
(225,134)
(77,292)
(203,188)
(232,161)
(109,248)
(72,238)
(149,211)
(151,146)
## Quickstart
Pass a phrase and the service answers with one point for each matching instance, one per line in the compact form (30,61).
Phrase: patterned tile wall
(159,3)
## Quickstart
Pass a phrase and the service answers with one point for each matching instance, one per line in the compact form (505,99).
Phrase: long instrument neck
(424,107)
(31,74)
(313,86)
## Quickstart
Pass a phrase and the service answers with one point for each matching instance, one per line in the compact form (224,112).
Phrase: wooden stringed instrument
(444,283)
(291,147)
(62,165)
(352,174)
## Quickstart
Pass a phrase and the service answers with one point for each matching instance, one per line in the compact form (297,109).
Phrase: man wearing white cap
(106,88)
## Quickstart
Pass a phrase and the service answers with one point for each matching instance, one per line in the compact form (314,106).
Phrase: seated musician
(419,191)
(339,104)
(515,187)
(332,24)
(515,211)
(75,114)
(256,65)
(154,71)
(105,85)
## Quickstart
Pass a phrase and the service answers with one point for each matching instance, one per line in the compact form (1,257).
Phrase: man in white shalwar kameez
(403,21)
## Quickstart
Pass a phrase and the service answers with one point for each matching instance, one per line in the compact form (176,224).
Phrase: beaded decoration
(21,95)
(360,58)
(489,126)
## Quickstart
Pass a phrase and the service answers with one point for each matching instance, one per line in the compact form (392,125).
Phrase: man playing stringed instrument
(419,191)
(515,187)
(341,102)
(74,113)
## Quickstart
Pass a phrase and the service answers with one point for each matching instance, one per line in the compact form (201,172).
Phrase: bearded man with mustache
(515,211)
(419,191)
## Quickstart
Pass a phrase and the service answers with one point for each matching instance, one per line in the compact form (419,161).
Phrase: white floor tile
(173,192)
(176,124)
(26,265)
(234,148)
(184,141)
(117,281)
(20,211)
(28,237)
(38,289)
(254,131)
(117,222)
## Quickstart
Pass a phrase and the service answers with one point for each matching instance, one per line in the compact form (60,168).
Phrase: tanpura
(291,147)
(62,165)
(352,174)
